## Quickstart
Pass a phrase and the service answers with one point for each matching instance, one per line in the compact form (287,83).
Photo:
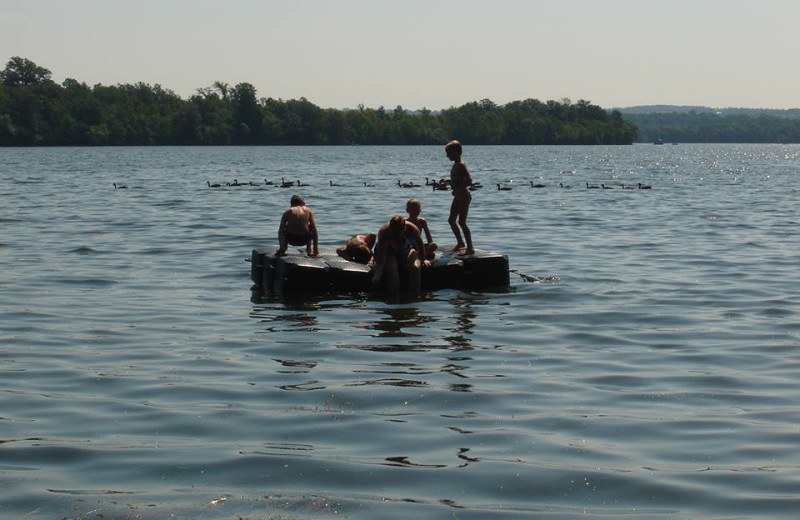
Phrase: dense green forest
(705,125)
(36,111)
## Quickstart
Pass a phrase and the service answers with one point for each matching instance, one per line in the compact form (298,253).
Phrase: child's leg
(462,221)
(413,268)
(391,275)
(454,210)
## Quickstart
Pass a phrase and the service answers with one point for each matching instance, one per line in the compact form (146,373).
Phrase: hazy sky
(425,53)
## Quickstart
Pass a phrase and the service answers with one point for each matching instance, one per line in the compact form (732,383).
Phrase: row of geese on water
(638,186)
(283,184)
(440,185)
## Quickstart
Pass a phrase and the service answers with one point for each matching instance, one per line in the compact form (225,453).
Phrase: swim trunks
(298,239)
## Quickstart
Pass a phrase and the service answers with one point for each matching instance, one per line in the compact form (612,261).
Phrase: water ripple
(643,364)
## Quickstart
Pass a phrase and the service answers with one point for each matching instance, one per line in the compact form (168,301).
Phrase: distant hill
(695,124)
(792,113)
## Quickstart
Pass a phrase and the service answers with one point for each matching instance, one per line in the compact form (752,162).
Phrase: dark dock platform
(329,273)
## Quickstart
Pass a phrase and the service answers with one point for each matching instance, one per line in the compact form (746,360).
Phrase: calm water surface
(653,372)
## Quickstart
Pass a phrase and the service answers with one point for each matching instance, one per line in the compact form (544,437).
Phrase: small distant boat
(658,141)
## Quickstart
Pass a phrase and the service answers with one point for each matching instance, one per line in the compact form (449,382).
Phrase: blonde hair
(454,145)
(414,203)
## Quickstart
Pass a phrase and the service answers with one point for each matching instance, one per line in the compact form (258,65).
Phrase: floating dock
(329,273)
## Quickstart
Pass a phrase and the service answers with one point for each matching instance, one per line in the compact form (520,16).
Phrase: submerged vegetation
(36,111)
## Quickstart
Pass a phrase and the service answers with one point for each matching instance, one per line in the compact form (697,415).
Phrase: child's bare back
(298,228)
(297,220)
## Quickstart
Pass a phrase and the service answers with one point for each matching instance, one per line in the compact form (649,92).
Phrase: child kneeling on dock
(298,228)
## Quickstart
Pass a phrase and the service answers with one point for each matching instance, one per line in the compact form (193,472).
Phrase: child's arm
(416,238)
(379,258)
(312,227)
(423,225)
(282,235)
(460,179)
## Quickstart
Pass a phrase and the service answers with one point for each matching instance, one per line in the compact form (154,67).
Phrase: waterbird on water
(215,185)
(561,184)
(120,186)
(644,186)
(592,186)
(267,183)
(536,185)
(503,188)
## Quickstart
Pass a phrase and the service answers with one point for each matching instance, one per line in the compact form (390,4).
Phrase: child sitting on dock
(396,256)
(460,180)
(358,248)
(414,208)
(298,228)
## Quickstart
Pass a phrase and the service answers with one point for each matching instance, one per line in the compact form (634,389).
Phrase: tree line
(716,127)
(36,111)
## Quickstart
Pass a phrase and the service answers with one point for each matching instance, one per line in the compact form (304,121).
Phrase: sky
(424,53)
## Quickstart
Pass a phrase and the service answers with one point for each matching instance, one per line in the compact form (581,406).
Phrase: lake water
(654,372)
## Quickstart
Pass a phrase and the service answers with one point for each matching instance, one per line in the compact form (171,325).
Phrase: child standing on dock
(460,181)
(298,227)
(414,208)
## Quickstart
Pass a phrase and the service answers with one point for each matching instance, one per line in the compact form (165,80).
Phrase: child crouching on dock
(298,228)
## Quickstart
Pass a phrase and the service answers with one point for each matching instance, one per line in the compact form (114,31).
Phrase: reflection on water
(464,315)
(417,324)
(401,323)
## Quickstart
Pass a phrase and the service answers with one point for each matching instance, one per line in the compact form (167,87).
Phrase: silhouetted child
(396,256)
(460,181)
(414,207)
(298,228)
